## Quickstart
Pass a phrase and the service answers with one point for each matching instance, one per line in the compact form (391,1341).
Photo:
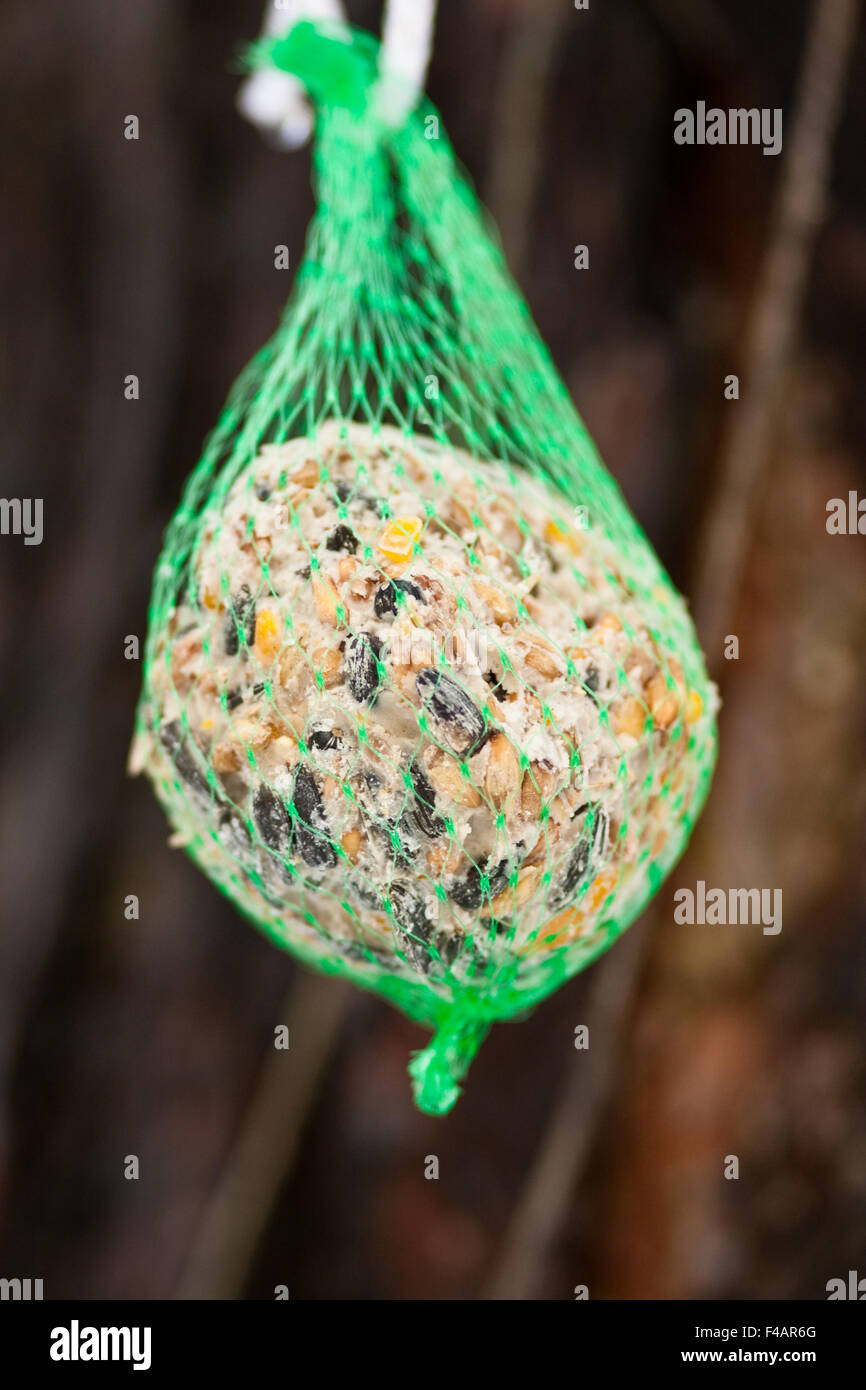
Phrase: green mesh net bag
(418,696)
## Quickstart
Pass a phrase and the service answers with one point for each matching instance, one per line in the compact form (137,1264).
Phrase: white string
(407,37)
(275,101)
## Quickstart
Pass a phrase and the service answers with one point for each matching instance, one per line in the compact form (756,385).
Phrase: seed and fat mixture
(405,710)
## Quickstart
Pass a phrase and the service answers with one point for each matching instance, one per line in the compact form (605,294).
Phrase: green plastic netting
(418,696)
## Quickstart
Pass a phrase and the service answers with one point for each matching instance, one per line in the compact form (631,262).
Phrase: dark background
(154,1037)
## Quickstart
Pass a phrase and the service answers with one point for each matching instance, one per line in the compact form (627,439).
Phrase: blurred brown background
(154,1037)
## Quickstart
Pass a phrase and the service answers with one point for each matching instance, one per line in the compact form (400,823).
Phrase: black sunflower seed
(586,857)
(271,818)
(342,538)
(362,667)
(498,876)
(241,617)
(413,927)
(576,871)
(458,720)
(306,797)
(600,832)
(449,945)
(309,818)
(409,911)
(425,804)
(408,586)
(417,956)
(385,599)
(178,744)
(363,894)
(467,892)
(398,837)
(324,739)
(316,850)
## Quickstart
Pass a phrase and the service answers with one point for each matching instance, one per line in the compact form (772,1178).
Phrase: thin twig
(516,141)
(238,1212)
(770,336)
(567,1144)
(82,587)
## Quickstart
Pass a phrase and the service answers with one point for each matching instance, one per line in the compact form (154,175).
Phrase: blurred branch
(516,142)
(773,322)
(225,1245)
(78,606)
(567,1143)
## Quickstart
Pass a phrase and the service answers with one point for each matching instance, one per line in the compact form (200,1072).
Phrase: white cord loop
(407,37)
(277,103)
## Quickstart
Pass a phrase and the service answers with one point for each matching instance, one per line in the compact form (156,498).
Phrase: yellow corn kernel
(663,702)
(659,843)
(556,532)
(694,707)
(560,930)
(569,924)
(628,717)
(306,473)
(267,643)
(206,724)
(601,887)
(607,623)
(397,541)
(209,600)
(351,843)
